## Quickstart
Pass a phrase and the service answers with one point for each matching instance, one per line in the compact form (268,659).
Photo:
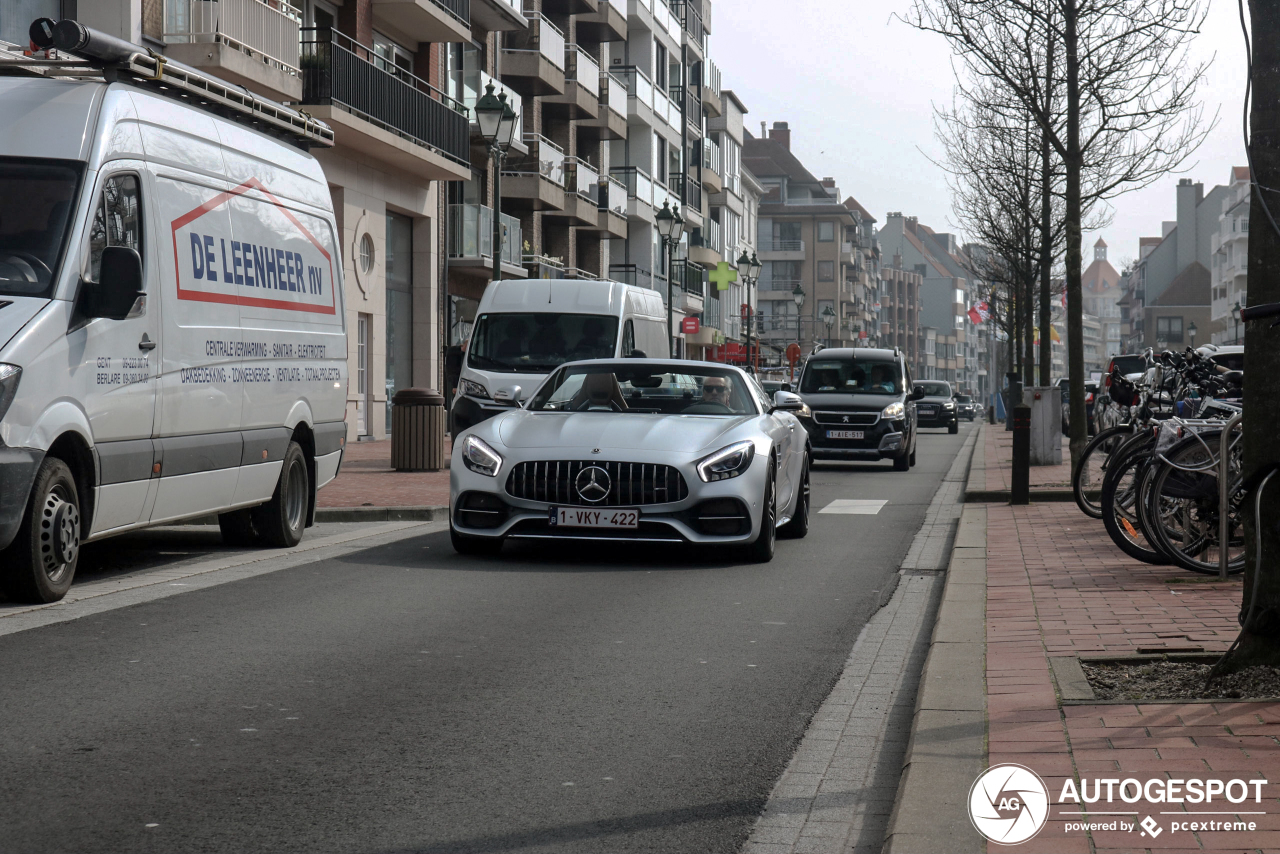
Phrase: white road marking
(854,506)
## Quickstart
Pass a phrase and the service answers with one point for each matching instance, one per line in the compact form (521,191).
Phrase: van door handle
(146,343)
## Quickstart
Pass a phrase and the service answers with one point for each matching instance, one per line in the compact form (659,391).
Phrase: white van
(172,333)
(525,328)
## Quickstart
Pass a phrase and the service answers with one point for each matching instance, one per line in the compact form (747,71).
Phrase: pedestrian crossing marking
(854,506)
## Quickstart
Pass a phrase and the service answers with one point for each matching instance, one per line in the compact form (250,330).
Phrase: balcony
(782,250)
(631,274)
(534,61)
(581,206)
(712,100)
(425,20)
(536,181)
(607,24)
(695,36)
(612,218)
(780,285)
(581,98)
(610,121)
(392,117)
(847,254)
(471,240)
(473,84)
(543,266)
(249,42)
(572,7)
(498,15)
(643,193)
(690,278)
(707,248)
(712,166)
(689,193)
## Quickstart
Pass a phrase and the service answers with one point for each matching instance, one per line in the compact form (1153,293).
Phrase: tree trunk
(1029,315)
(1074,163)
(1046,258)
(1260,640)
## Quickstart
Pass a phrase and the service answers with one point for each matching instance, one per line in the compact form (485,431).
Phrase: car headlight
(473,388)
(894,411)
(479,457)
(948,405)
(9,376)
(727,462)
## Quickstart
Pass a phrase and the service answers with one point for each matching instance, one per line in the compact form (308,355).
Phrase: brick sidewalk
(1057,586)
(366,479)
(993,467)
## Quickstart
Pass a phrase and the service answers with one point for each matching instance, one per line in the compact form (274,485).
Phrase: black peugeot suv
(936,407)
(860,406)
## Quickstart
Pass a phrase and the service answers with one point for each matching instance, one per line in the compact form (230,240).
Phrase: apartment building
(899,312)
(374,72)
(1229,272)
(806,237)
(860,259)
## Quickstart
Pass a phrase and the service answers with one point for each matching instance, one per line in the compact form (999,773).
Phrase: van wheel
(39,565)
(237,528)
(281,520)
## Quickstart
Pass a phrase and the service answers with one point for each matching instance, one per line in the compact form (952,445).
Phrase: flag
(979,313)
(1053,334)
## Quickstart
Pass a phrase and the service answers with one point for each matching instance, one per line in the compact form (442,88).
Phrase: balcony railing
(268,28)
(584,179)
(637,182)
(825,200)
(340,71)
(688,276)
(777,245)
(545,158)
(631,274)
(545,38)
(471,234)
(711,77)
(582,68)
(613,93)
(787,285)
(615,197)
(712,156)
(688,190)
(620,6)
(693,26)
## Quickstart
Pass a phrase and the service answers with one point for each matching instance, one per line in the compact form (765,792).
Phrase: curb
(998,496)
(427,513)
(948,745)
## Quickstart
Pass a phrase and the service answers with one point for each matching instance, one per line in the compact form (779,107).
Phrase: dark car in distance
(966,407)
(936,406)
(860,406)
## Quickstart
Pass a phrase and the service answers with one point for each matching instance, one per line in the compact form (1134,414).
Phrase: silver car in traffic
(631,450)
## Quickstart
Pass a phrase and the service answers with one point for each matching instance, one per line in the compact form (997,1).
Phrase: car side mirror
(785,401)
(119,284)
(787,387)
(917,393)
(507,396)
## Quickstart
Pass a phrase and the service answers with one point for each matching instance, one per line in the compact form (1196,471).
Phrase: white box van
(525,328)
(172,338)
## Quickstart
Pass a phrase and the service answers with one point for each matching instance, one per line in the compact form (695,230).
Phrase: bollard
(1012,397)
(1020,486)
(991,414)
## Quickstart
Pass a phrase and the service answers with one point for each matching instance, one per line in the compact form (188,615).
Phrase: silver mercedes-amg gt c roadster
(635,450)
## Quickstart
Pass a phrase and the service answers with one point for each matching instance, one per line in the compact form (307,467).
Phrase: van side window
(628,338)
(117,221)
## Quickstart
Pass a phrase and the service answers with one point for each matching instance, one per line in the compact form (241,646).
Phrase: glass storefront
(399,264)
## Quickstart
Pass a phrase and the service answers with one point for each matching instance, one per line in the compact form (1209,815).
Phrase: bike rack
(1224,468)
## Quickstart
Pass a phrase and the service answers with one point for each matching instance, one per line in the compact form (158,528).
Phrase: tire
(1183,509)
(1089,475)
(911,461)
(953,427)
(902,462)
(237,528)
(762,550)
(1118,505)
(799,524)
(39,565)
(281,520)
(464,545)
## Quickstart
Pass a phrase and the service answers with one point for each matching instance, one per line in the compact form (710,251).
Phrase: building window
(1170,329)
(826,271)
(826,232)
(366,253)
(399,340)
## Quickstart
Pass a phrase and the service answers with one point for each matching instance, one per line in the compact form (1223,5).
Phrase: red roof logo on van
(264,274)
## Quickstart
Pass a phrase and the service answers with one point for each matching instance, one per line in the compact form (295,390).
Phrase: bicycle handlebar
(1260,312)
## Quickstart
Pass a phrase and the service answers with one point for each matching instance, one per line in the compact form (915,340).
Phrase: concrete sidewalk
(1057,589)
(367,480)
(991,475)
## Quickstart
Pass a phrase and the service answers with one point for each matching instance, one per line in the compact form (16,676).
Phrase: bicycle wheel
(1119,502)
(1184,493)
(1086,481)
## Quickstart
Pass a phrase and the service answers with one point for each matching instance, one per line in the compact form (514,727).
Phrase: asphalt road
(401,698)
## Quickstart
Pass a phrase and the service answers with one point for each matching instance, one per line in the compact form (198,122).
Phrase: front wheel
(41,562)
(902,462)
(761,551)
(799,524)
(953,427)
(281,520)
(1086,482)
(912,461)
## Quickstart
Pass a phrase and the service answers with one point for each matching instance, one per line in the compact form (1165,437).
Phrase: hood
(605,430)
(15,313)
(850,402)
(932,398)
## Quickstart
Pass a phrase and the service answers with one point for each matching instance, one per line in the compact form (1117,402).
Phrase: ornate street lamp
(497,121)
(1191,330)
(1235,314)
(744,270)
(670,229)
(828,317)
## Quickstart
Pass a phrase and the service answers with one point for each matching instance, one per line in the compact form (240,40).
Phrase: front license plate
(844,434)
(614,517)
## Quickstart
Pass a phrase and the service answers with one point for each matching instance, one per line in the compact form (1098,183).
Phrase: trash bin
(417,430)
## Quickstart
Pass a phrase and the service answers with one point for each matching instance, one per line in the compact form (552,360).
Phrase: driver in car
(716,390)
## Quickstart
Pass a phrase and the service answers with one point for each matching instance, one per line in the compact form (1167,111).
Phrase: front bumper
(17,472)
(882,440)
(943,418)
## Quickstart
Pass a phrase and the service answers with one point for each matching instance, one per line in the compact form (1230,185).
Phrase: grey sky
(857,87)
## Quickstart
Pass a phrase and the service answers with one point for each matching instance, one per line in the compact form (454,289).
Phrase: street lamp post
(1235,314)
(670,228)
(828,317)
(749,268)
(1191,330)
(497,121)
(798,296)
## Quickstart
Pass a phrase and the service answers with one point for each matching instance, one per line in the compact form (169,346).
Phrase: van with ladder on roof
(172,328)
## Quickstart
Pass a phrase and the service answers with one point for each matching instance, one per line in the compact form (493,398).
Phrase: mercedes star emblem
(592,484)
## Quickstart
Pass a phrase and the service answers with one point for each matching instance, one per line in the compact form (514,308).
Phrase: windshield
(538,342)
(36,198)
(935,389)
(849,376)
(963,398)
(1130,364)
(647,389)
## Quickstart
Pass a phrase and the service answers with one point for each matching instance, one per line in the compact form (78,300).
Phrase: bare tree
(1128,114)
